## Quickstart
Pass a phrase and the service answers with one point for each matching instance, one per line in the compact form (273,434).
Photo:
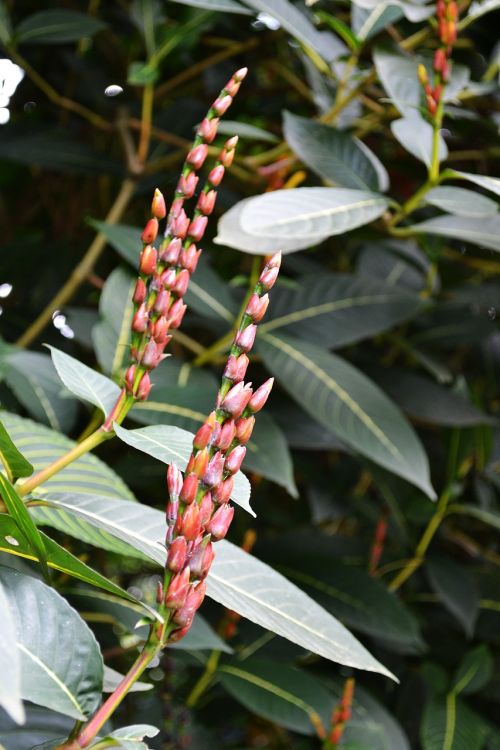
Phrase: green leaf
(345,401)
(457,590)
(416,136)
(126,240)
(236,580)
(475,671)
(449,724)
(112,679)
(84,382)
(60,660)
(412,9)
(371,723)
(57,27)
(10,663)
(488,183)
(5,24)
(285,695)
(310,213)
(341,29)
(111,335)
(484,232)
(268,455)
(129,738)
(226,6)
(41,726)
(56,557)
(461,202)
(41,446)
(333,154)
(173,445)
(245,130)
(367,22)
(24,521)
(478,9)
(12,459)
(142,74)
(34,381)
(338,309)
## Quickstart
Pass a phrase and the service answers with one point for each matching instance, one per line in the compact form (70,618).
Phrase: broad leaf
(12,459)
(57,27)
(34,381)
(338,309)
(488,183)
(412,9)
(129,738)
(60,660)
(268,455)
(237,580)
(372,723)
(475,671)
(367,22)
(449,724)
(457,590)
(111,335)
(480,8)
(85,382)
(333,154)
(416,135)
(10,663)
(173,445)
(41,726)
(310,213)
(484,232)
(41,446)
(345,401)
(112,679)
(227,6)
(460,201)
(24,522)
(285,695)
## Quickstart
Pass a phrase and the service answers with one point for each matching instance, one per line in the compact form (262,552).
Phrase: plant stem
(205,679)
(82,270)
(146,120)
(434,168)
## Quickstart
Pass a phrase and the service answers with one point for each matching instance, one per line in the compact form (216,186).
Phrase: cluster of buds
(198,511)
(165,271)
(340,716)
(447,16)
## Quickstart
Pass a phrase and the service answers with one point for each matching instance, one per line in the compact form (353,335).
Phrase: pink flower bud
(139,292)
(174,481)
(188,258)
(260,396)
(236,368)
(257,306)
(189,489)
(181,283)
(227,434)
(268,278)
(244,339)
(206,507)
(158,207)
(206,202)
(184,615)
(220,521)
(144,387)
(160,333)
(149,358)
(147,262)
(177,589)
(170,253)
(235,459)
(200,462)
(177,554)
(222,104)
(140,319)
(176,313)
(168,277)
(201,559)
(240,74)
(197,156)
(150,232)
(215,175)
(129,379)
(196,229)
(178,634)
(172,511)
(202,437)
(189,524)
(222,493)
(187,184)
(159,592)
(213,473)
(244,428)
(162,302)
(208,129)
(180,224)
(236,399)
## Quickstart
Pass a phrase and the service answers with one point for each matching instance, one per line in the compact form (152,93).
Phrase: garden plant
(249,368)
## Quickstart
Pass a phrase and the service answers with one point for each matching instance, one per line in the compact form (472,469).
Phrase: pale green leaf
(84,382)
(226,6)
(484,232)
(461,202)
(488,183)
(10,663)
(416,136)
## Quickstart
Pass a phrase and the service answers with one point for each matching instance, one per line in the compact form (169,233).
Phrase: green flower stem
(205,679)
(434,168)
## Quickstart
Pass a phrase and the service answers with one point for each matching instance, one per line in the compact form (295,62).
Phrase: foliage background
(432,346)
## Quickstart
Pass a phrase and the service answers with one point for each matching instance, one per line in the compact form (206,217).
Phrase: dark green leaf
(17,509)
(268,454)
(474,672)
(10,663)
(12,459)
(142,74)
(41,726)
(457,590)
(449,724)
(111,335)
(57,27)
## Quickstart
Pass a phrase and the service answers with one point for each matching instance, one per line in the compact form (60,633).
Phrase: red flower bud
(222,493)
(220,521)
(189,524)
(147,262)
(235,459)
(188,258)
(202,437)
(174,481)
(236,399)
(197,156)
(160,334)
(200,462)
(208,129)
(236,368)
(440,60)
(260,396)
(176,313)
(196,229)
(227,154)
(215,175)
(168,278)
(139,292)
(178,634)
(170,253)
(179,224)
(177,554)
(158,208)
(150,232)
(187,184)
(244,339)
(222,104)
(129,379)
(257,307)
(162,302)
(172,511)
(214,439)
(227,434)
(206,202)
(149,358)
(201,559)
(144,387)
(244,428)
(140,319)
(213,473)
(177,589)
(189,489)
(270,272)
(184,615)
(240,74)
(206,507)
(181,283)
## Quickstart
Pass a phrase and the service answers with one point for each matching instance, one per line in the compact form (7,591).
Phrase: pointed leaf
(345,401)
(449,724)
(268,455)
(41,726)
(173,445)
(475,671)
(10,663)
(24,522)
(111,335)
(461,202)
(416,135)
(84,382)
(61,663)
(488,183)
(227,6)
(12,459)
(237,580)
(457,590)
(57,27)
(484,232)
